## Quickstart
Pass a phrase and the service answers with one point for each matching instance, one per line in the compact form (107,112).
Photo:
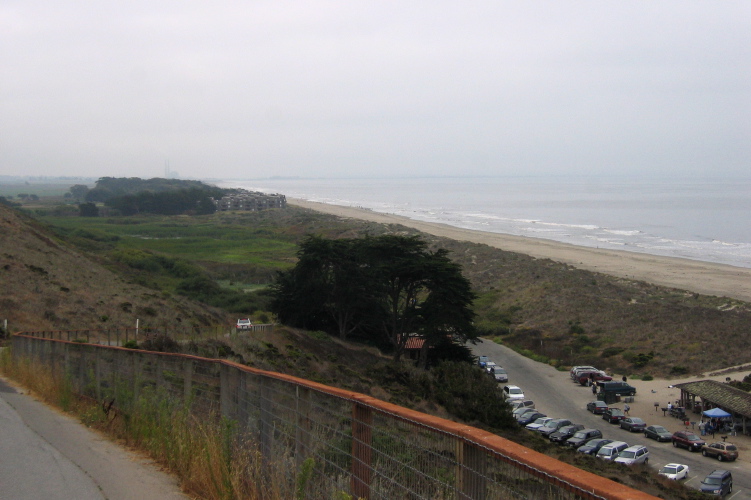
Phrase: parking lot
(556,395)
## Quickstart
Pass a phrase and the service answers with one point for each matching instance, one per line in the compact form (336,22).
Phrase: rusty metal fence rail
(359,445)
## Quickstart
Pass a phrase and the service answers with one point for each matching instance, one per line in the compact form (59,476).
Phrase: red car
(597,376)
(688,440)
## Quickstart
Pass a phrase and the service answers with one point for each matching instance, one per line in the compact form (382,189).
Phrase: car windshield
(669,470)
(580,435)
(551,423)
(514,391)
(616,411)
(712,480)
(637,421)
(540,421)
(627,454)
(693,437)
(499,370)
(658,428)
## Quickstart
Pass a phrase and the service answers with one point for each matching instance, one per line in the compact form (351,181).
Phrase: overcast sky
(343,88)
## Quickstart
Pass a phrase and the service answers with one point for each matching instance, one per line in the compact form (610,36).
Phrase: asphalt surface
(556,395)
(48,455)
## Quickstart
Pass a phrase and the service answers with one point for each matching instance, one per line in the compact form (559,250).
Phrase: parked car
(721,451)
(633,424)
(575,369)
(482,360)
(658,433)
(552,426)
(489,365)
(592,446)
(518,403)
(583,436)
(611,450)
(613,415)
(632,455)
(244,324)
(528,418)
(561,435)
(718,482)
(513,392)
(617,388)
(688,440)
(519,412)
(499,373)
(597,407)
(674,471)
(595,375)
(534,426)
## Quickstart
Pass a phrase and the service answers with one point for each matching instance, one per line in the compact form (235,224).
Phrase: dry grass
(212,460)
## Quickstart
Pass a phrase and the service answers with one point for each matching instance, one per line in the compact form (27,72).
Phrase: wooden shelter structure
(703,395)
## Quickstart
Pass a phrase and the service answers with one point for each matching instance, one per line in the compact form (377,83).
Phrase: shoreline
(696,276)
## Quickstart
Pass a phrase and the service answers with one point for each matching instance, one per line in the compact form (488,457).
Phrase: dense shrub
(470,394)
(160,343)
(611,351)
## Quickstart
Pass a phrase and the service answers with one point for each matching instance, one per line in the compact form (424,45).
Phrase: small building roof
(723,395)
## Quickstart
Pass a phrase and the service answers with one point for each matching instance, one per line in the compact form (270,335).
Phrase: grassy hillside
(49,284)
(556,312)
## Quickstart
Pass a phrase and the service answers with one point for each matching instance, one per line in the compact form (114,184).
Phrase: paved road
(556,395)
(45,454)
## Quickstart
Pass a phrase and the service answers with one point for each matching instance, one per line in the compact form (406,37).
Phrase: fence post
(136,373)
(266,425)
(98,374)
(228,384)
(362,437)
(302,427)
(471,474)
(187,380)
(159,375)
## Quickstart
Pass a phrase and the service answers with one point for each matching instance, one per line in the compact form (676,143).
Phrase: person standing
(626,409)
(594,388)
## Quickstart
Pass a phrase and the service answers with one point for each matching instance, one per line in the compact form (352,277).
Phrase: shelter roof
(723,395)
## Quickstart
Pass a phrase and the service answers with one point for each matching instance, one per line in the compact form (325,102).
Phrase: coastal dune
(700,277)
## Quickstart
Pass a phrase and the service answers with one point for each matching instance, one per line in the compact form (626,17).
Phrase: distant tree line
(180,201)
(112,187)
(133,195)
(387,289)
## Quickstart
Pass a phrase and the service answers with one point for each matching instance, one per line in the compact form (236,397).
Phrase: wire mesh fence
(358,445)
(122,336)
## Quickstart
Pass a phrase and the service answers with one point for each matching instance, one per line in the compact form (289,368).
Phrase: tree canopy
(386,288)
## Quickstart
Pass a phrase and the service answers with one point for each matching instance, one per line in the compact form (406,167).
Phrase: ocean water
(701,219)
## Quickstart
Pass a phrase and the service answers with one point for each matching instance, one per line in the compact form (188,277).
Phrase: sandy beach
(695,276)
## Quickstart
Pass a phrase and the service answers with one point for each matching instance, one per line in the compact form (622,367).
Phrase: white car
(674,471)
(244,324)
(489,366)
(513,392)
(633,455)
(538,423)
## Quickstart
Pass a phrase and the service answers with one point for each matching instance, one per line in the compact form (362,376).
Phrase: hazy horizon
(335,89)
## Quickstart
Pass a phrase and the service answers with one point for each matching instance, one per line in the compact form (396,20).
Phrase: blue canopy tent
(716,413)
